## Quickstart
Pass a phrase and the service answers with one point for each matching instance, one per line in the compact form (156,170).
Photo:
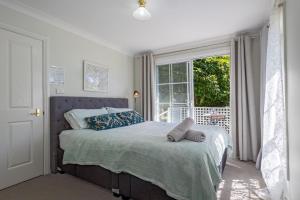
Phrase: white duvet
(216,137)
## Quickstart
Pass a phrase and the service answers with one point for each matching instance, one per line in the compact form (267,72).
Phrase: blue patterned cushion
(103,122)
(130,117)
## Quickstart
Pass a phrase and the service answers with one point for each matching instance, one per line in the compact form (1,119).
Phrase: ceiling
(173,22)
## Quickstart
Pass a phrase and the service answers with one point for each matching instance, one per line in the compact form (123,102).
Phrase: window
(193,83)
(173,89)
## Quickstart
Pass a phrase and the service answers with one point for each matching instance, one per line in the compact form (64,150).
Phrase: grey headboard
(60,104)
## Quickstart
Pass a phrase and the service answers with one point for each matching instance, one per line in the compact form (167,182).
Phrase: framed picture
(56,75)
(95,77)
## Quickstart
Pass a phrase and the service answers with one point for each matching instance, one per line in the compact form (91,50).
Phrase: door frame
(46,94)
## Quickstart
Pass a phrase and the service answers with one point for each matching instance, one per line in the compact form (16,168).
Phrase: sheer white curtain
(274,153)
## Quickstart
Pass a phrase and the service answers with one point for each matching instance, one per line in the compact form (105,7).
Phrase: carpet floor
(241,181)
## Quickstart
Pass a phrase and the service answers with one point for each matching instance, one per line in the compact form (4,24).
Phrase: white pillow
(71,120)
(76,117)
(117,110)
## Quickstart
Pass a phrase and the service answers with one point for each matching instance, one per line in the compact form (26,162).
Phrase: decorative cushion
(130,117)
(103,122)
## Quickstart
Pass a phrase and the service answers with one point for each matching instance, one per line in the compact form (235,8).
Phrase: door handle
(37,112)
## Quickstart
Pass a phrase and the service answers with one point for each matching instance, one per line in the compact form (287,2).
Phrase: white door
(21,127)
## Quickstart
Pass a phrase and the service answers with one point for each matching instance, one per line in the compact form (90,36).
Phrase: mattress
(186,170)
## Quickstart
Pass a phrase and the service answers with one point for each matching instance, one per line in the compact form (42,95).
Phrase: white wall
(293,90)
(69,50)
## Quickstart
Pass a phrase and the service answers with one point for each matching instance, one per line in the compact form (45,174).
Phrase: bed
(121,178)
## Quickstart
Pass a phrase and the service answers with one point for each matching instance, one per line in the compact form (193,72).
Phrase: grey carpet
(241,181)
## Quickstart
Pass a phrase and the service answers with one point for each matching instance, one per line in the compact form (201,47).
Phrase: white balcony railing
(201,115)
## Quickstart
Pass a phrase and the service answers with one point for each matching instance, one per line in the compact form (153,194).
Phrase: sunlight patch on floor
(243,190)
(242,181)
(240,189)
(233,165)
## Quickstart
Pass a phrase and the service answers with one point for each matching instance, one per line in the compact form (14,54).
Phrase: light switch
(60,90)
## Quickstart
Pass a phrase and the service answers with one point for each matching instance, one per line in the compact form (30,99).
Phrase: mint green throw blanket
(186,170)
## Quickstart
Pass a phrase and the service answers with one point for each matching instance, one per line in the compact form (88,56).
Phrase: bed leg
(116,192)
(124,197)
(59,170)
(116,195)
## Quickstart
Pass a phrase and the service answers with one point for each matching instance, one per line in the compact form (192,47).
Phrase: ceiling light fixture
(141,13)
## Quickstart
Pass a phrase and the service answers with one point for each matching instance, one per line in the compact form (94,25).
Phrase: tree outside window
(212,81)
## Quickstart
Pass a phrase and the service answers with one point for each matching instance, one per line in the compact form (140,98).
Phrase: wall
(293,93)
(69,50)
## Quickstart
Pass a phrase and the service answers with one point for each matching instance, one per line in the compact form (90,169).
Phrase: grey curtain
(245,97)
(147,86)
(263,51)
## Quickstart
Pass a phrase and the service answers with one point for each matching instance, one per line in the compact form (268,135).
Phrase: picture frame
(56,75)
(95,77)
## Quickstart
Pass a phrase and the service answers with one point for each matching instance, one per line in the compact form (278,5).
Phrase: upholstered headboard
(59,105)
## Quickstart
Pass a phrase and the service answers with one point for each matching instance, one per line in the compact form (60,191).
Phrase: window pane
(163,112)
(164,93)
(163,74)
(178,112)
(180,93)
(179,72)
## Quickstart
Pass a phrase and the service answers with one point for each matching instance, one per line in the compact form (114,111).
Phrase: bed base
(122,185)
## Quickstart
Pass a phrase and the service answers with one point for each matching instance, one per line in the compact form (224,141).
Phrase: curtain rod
(194,48)
(252,34)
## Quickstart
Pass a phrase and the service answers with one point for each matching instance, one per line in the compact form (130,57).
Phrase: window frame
(186,56)
(171,89)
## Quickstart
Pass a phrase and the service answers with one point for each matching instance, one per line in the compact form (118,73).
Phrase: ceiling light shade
(142,13)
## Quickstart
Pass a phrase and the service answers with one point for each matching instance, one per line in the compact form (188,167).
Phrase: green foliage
(212,81)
